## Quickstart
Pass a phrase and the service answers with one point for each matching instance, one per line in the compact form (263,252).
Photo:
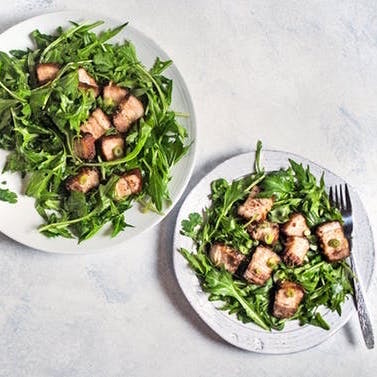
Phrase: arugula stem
(182,115)
(254,183)
(68,222)
(11,93)
(66,35)
(257,166)
(163,100)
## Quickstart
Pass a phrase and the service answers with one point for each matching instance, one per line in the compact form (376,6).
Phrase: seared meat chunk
(265,231)
(287,299)
(255,209)
(47,72)
(261,265)
(112,147)
(113,93)
(295,250)
(87,82)
(333,241)
(224,256)
(84,181)
(296,226)
(129,184)
(85,147)
(129,111)
(97,124)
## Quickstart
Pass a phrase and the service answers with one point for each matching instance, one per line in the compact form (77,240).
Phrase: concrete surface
(299,75)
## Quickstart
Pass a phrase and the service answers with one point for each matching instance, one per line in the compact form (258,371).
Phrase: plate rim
(111,20)
(176,255)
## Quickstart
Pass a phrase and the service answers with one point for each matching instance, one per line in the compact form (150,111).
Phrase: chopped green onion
(118,151)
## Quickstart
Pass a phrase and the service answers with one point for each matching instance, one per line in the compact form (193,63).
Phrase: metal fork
(340,197)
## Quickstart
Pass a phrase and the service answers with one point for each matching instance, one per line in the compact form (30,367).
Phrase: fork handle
(362,310)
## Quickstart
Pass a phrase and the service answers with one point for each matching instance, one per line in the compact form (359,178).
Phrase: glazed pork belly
(261,265)
(333,242)
(224,256)
(287,299)
(84,181)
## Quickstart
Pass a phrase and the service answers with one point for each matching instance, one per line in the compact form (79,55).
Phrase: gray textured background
(301,76)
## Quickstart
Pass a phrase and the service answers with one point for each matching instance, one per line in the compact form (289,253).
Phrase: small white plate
(20,221)
(293,338)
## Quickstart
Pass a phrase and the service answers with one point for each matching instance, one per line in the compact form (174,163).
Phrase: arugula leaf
(8,196)
(39,125)
(295,190)
(278,184)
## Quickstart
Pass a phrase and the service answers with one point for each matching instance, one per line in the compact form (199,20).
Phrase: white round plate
(20,221)
(293,338)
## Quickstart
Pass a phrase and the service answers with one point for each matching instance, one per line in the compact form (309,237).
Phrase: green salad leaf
(39,123)
(8,196)
(294,189)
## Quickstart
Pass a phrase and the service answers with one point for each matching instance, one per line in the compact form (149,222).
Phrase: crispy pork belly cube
(128,184)
(47,72)
(84,181)
(85,147)
(261,265)
(113,93)
(333,242)
(112,147)
(224,256)
(265,231)
(87,82)
(97,124)
(129,111)
(287,299)
(295,226)
(295,250)
(255,209)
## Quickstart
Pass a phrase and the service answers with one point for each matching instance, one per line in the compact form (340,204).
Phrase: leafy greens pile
(38,124)
(295,189)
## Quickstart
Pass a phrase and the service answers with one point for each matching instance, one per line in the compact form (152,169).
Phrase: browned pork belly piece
(114,94)
(129,111)
(255,209)
(85,147)
(97,124)
(224,256)
(295,251)
(128,184)
(287,299)
(333,241)
(47,72)
(261,265)
(87,82)
(84,181)
(265,231)
(296,226)
(112,147)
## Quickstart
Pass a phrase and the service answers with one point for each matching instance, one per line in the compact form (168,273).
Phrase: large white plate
(20,221)
(293,338)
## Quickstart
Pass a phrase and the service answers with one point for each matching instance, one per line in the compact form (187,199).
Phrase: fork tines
(340,197)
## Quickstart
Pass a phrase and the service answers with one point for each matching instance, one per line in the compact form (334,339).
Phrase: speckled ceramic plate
(20,221)
(293,338)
